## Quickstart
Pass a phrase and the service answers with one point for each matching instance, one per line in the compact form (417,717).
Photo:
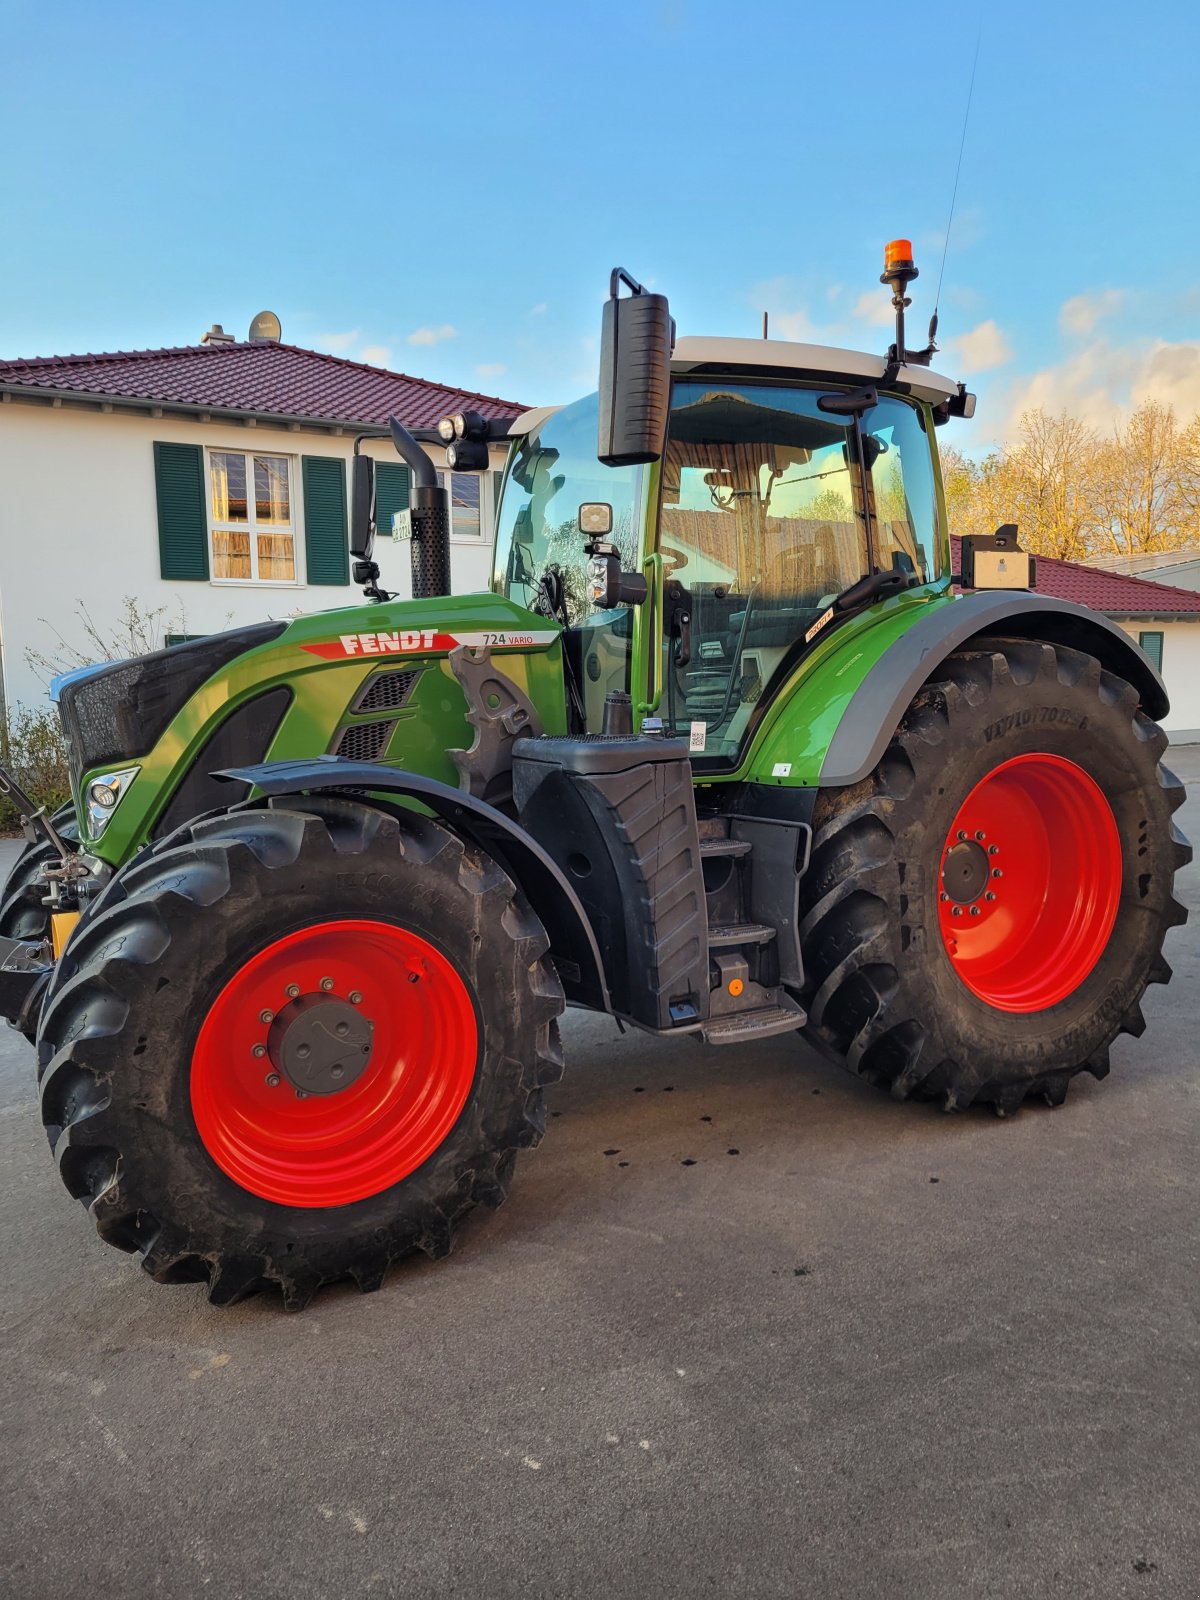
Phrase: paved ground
(745,1327)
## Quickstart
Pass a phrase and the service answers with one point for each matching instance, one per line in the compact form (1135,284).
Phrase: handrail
(652,567)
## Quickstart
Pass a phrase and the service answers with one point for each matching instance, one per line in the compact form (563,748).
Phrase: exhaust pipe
(429,505)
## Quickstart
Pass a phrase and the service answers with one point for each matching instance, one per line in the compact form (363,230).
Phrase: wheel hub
(965,871)
(320,1044)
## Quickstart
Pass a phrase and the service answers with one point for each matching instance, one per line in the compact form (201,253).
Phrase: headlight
(103,796)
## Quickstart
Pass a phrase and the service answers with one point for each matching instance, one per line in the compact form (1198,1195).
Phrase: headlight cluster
(104,795)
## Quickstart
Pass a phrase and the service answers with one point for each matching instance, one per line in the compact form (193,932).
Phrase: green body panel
(804,716)
(324,686)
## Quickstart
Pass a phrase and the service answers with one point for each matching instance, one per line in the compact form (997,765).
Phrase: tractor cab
(787,478)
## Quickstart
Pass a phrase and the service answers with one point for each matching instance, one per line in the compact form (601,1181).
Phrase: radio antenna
(937,299)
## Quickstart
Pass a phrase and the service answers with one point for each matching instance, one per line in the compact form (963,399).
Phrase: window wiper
(872,586)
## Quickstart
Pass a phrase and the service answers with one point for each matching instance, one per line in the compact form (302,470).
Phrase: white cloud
(981,347)
(538,310)
(1082,312)
(1101,381)
(338,343)
(491,369)
(875,306)
(433,335)
(375,355)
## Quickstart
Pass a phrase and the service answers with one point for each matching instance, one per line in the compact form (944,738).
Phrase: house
(1178,567)
(210,484)
(1163,619)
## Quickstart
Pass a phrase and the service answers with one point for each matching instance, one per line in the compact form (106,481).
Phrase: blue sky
(444,189)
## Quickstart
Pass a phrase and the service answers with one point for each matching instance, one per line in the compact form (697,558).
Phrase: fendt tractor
(728,750)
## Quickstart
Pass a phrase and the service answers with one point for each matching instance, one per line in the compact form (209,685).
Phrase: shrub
(34,751)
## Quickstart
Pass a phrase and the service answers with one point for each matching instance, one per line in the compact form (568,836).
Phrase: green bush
(34,751)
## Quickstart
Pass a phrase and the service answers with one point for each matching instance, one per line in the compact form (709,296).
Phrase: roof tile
(1114,593)
(266,379)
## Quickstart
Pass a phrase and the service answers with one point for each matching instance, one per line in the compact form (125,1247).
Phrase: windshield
(765,521)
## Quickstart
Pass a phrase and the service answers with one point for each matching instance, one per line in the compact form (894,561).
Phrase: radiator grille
(364,741)
(387,691)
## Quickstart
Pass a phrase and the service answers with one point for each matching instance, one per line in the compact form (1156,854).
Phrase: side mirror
(636,338)
(362,508)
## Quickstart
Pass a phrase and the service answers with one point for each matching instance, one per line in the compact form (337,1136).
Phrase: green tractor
(728,750)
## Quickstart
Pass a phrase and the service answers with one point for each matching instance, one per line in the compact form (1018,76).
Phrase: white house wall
(1181,673)
(79,526)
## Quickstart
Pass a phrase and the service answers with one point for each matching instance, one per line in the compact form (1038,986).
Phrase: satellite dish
(265,329)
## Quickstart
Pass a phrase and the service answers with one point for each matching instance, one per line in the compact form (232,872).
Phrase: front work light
(446,429)
(104,794)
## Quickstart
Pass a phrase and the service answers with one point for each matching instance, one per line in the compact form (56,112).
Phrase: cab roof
(779,357)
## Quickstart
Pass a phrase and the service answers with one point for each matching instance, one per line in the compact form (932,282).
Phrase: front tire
(292,1045)
(982,915)
(23,911)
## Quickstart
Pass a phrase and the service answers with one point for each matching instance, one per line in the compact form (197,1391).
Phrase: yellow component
(735,987)
(62,925)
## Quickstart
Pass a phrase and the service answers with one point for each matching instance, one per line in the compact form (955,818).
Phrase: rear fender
(881,699)
(573,945)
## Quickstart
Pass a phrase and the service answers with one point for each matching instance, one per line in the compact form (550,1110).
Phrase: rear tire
(891,989)
(155,1101)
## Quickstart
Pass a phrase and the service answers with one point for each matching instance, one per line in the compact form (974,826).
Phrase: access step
(725,847)
(762,1024)
(723,934)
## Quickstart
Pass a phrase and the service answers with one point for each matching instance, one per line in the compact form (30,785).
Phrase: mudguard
(573,946)
(874,712)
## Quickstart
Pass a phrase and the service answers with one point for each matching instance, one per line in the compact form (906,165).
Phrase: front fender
(885,693)
(573,945)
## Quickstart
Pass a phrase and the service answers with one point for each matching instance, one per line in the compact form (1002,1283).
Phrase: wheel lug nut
(355,997)
(272,1080)
(266,1016)
(301,1094)
(996,872)
(962,833)
(943,895)
(327,984)
(957,911)
(974,911)
(292,991)
(980,835)
(993,849)
(989,895)
(259,1050)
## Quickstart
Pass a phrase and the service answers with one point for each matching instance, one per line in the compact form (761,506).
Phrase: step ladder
(744,1002)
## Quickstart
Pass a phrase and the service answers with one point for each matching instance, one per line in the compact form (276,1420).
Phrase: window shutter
(182,525)
(326,539)
(391,494)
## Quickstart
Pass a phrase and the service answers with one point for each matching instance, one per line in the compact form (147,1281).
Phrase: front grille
(364,741)
(387,691)
(123,710)
(241,740)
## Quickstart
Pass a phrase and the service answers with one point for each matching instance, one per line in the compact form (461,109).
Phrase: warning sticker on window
(696,741)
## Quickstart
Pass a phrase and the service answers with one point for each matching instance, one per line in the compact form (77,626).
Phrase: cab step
(710,847)
(723,934)
(784,1017)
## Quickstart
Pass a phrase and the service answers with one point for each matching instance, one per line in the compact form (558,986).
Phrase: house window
(250,518)
(1152,644)
(465,501)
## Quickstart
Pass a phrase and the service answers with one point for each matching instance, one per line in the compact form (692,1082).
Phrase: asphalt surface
(745,1328)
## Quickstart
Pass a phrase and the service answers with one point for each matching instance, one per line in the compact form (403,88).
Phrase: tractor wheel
(22,912)
(982,914)
(289,1046)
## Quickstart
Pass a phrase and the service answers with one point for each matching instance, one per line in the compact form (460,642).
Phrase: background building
(209,484)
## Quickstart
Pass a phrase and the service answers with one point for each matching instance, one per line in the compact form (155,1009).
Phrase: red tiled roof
(266,379)
(1111,592)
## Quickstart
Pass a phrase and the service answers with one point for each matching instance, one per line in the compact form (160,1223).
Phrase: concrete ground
(744,1328)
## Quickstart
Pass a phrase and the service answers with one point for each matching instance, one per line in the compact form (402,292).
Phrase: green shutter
(326,540)
(391,494)
(182,527)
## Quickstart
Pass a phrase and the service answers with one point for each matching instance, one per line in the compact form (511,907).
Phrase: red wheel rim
(333,1148)
(1029,882)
